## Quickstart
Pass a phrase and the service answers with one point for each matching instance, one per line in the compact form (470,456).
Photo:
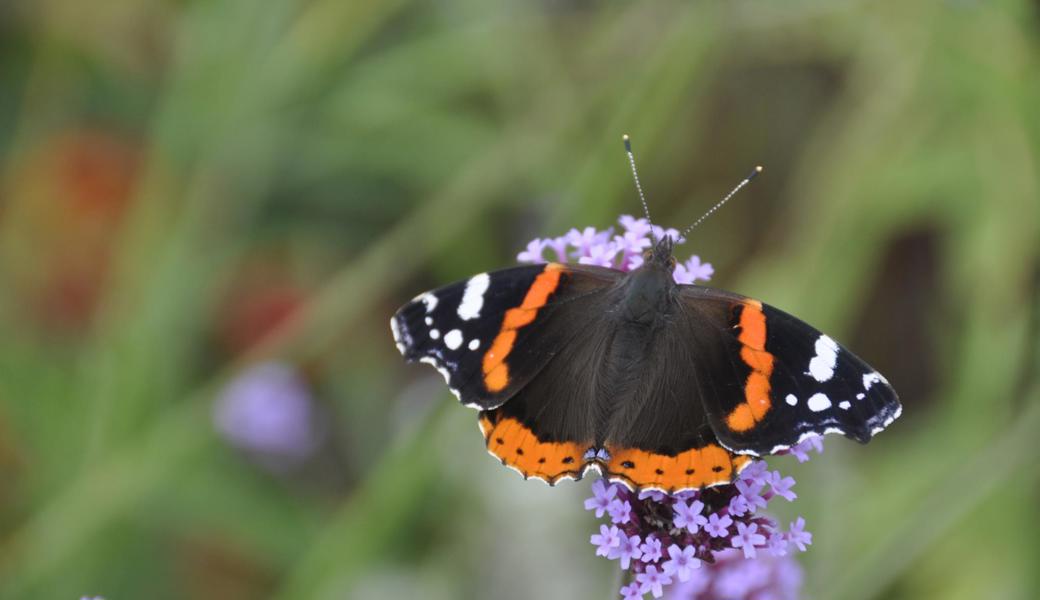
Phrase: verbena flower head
(267,410)
(710,543)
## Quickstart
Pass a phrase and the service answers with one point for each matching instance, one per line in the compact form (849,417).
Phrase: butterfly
(655,384)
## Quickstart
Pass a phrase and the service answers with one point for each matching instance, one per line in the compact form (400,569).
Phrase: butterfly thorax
(646,306)
(649,289)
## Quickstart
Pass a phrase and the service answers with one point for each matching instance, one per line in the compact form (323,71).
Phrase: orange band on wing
(496,372)
(518,447)
(754,354)
(693,469)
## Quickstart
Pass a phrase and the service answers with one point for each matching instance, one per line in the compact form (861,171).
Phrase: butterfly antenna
(732,193)
(639,188)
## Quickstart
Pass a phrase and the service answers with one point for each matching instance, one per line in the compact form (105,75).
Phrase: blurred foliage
(189,187)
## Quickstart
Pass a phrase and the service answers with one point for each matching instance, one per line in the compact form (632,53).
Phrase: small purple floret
(533,252)
(602,495)
(798,536)
(652,581)
(632,591)
(718,526)
(626,551)
(747,539)
(689,516)
(607,540)
(620,511)
(682,561)
(651,549)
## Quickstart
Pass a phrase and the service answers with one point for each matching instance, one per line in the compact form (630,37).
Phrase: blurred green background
(192,188)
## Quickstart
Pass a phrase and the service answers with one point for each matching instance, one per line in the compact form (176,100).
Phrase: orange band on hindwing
(518,447)
(693,469)
(754,354)
(496,371)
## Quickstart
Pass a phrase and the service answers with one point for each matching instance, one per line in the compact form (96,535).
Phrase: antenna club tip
(759,169)
(624,137)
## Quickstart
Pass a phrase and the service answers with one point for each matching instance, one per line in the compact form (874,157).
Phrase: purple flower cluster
(663,539)
(710,543)
(608,249)
(733,577)
(267,410)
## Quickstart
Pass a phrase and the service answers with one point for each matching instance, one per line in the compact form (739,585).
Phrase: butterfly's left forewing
(777,380)
(491,334)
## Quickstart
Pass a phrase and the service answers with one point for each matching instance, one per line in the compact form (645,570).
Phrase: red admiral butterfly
(655,384)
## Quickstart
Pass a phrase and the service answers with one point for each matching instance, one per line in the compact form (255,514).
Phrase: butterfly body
(655,384)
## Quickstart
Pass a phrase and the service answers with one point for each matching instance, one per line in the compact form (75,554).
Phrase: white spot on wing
(473,297)
(435,334)
(430,300)
(860,396)
(453,339)
(429,321)
(818,402)
(844,405)
(791,399)
(821,367)
(871,378)
(474,344)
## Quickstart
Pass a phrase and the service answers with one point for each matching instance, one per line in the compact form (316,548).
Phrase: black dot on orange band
(568,460)
(499,441)
(541,460)
(659,471)
(628,464)
(520,451)
(689,471)
(717,469)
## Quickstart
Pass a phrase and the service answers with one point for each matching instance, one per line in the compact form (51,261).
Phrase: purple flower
(689,516)
(600,255)
(660,232)
(654,495)
(682,562)
(747,538)
(692,270)
(731,577)
(602,495)
(749,492)
(632,591)
(798,536)
(559,246)
(651,549)
(652,581)
(607,540)
(738,506)
(533,252)
(585,239)
(267,409)
(620,511)
(801,449)
(639,227)
(756,470)
(781,486)
(627,549)
(778,544)
(718,526)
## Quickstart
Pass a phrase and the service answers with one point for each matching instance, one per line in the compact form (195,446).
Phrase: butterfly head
(660,256)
